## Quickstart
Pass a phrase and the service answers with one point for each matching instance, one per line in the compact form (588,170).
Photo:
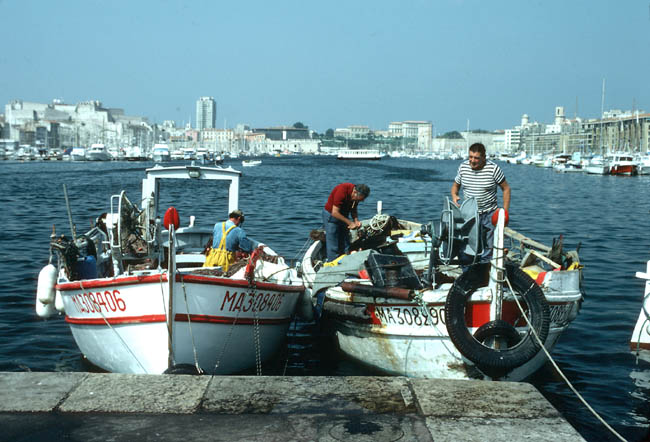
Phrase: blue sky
(332,63)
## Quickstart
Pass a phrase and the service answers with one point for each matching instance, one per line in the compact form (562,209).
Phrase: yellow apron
(220,256)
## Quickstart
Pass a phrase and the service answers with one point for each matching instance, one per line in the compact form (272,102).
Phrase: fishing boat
(402,303)
(138,299)
(251,163)
(640,339)
(359,154)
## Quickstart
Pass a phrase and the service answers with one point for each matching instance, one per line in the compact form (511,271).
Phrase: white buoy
(46,282)
(58,302)
(45,310)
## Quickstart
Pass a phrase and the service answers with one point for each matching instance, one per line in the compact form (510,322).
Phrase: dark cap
(362,190)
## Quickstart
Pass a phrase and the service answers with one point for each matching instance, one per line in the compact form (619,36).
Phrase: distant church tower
(559,115)
(206,113)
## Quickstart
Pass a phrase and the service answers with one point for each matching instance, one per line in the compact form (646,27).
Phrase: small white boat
(78,154)
(160,153)
(360,154)
(597,166)
(643,164)
(138,300)
(135,153)
(640,339)
(251,163)
(404,309)
(97,152)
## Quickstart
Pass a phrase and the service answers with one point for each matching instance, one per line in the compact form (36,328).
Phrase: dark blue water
(282,198)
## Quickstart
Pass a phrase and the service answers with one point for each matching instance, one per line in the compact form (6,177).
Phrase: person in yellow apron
(227,238)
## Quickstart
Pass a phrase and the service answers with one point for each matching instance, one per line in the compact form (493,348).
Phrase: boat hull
(222,325)
(402,338)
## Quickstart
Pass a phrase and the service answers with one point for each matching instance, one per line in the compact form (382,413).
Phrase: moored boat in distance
(78,154)
(138,299)
(160,153)
(621,163)
(97,152)
(359,154)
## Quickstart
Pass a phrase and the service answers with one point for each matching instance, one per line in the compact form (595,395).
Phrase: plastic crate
(391,271)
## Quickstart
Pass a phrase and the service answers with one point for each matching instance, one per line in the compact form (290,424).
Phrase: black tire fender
(497,362)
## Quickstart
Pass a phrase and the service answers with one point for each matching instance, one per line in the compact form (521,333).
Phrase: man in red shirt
(342,202)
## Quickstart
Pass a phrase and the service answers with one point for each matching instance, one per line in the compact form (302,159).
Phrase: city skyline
(334,65)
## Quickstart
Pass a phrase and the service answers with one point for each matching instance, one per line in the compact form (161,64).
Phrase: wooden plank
(524,239)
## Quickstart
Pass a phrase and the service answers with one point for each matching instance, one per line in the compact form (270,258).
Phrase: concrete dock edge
(116,407)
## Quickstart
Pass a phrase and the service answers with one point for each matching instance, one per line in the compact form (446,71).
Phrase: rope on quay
(559,371)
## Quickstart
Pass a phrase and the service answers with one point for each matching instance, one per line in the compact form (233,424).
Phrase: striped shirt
(481,184)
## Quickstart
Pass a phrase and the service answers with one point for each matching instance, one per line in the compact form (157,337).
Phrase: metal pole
(67,205)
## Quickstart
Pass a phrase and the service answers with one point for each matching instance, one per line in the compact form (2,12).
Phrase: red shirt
(341,197)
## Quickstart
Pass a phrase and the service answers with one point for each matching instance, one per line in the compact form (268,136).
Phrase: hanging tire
(492,361)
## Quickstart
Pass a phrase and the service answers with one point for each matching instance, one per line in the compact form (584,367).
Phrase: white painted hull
(640,339)
(400,338)
(120,325)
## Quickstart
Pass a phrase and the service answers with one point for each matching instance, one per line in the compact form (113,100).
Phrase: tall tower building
(206,113)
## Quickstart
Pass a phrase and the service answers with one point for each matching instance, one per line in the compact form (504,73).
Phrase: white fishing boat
(640,339)
(97,152)
(359,154)
(160,153)
(137,297)
(251,163)
(402,304)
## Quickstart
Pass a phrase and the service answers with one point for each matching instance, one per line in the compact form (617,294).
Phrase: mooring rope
(557,368)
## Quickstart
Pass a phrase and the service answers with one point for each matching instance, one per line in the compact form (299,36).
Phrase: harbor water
(607,216)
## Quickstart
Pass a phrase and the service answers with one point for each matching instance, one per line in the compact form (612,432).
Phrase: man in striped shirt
(479,178)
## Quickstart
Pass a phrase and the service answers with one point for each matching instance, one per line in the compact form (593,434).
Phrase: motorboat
(359,154)
(622,164)
(78,154)
(596,165)
(643,164)
(138,299)
(135,153)
(97,152)
(251,163)
(640,339)
(160,153)
(404,302)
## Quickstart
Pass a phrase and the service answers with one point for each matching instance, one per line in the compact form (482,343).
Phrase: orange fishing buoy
(171,218)
(495,217)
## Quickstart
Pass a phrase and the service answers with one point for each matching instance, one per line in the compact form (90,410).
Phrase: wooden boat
(401,302)
(137,299)
(640,339)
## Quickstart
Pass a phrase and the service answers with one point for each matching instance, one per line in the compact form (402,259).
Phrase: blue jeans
(487,235)
(337,239)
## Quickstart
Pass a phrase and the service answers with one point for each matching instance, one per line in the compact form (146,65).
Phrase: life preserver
(497,362)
